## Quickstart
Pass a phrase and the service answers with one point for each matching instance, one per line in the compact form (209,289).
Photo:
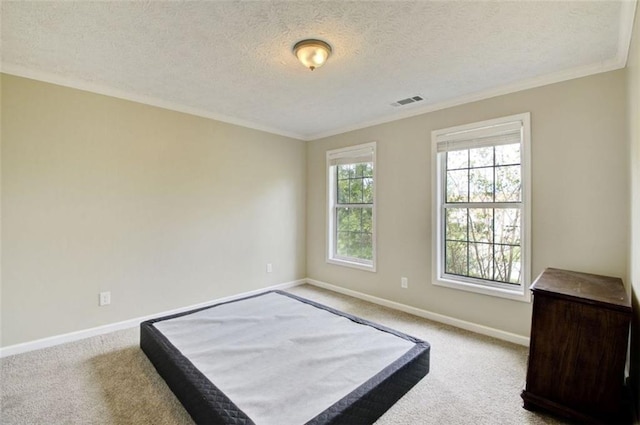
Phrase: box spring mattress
(278,359)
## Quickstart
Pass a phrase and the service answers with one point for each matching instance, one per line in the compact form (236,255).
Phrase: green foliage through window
(354,211)
(483,192)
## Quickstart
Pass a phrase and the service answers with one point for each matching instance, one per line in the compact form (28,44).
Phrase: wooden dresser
(579,336)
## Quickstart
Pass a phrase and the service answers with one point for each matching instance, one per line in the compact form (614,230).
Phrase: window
(481,207)
(351,239)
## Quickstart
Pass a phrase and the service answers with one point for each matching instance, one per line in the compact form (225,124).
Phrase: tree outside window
(351,206)
(481,206)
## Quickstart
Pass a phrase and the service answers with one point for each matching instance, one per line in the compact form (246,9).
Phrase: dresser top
(583,287)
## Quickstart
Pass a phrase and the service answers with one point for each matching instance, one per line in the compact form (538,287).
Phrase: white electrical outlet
(404,282)
(269,268)
(105,298)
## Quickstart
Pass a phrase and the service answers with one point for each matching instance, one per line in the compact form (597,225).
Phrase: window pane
(348,219)
(507,225)
(343,191)
(354,244)
(360,168)
(456,258)
(457,186)
(367,220)
(456,224)
(355,220)
(366,247)
(508,184)
(481,157)
(355,191)
(481,185)
(481,225)
(342,219)
(508,264)
(343,172)
(481,260)
(368,169)
(508,154)
(367,190)
(341,243)
(457,159)
(354,233)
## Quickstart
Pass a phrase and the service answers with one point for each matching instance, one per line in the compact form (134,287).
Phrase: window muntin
(480,208)
(354,212)
(481,236)
(351,215)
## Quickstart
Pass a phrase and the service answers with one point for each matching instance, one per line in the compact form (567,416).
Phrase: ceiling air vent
(407,101)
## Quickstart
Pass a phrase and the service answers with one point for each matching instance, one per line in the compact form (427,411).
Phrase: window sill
(352,264)
(518,294)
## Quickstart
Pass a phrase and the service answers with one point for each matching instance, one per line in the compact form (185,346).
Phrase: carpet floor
(107,379)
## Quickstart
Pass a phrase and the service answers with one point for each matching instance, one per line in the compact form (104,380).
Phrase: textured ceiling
(232,60)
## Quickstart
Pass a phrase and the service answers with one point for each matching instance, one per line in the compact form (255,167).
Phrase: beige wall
(633,109)
(163,209)
(0,211)
(580,186)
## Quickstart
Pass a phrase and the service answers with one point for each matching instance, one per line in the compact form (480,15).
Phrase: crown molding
(530,83)
(627,14)
(52,78)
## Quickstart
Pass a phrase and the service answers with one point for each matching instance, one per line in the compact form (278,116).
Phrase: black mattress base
(207,404)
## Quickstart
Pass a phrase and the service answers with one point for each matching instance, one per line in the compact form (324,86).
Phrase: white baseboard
(100,330)
(87,333)
(463,324)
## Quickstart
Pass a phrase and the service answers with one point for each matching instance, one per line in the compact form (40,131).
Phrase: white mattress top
(282,361)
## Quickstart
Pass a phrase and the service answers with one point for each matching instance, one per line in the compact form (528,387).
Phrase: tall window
(481,204)
(351,238)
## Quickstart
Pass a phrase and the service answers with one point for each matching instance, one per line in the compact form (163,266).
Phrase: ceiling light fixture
(312,53)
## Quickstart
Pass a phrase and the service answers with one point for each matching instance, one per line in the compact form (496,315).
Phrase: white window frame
(492,127)
(346,153)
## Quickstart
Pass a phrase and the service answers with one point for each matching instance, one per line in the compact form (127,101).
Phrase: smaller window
(351,236)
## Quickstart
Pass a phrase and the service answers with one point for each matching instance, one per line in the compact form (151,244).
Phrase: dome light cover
(312,53)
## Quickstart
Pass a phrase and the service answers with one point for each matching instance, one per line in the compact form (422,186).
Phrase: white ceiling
(232,60)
